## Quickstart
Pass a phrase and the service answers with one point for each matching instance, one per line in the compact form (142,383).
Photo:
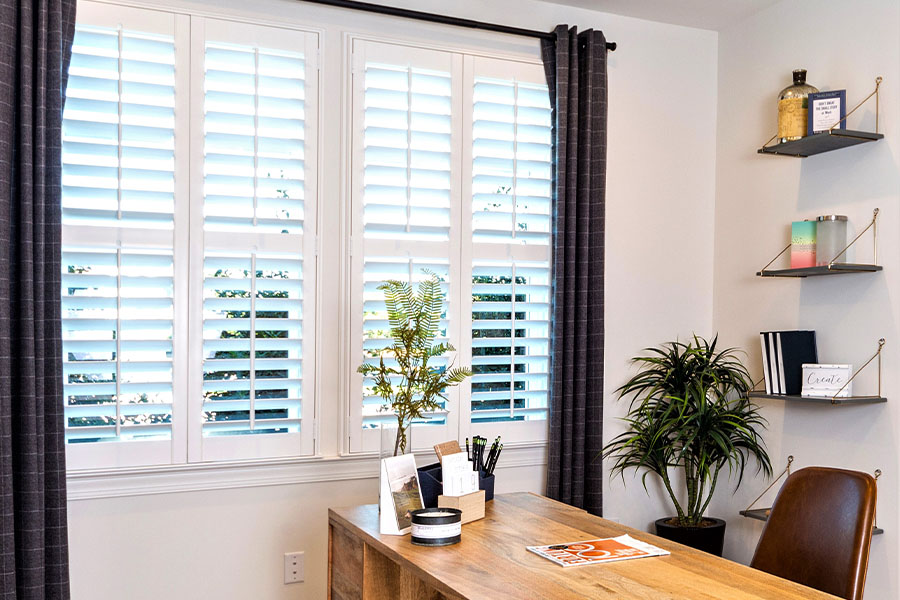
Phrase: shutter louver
(254,191)
(118,130)
(117,340)
(511,170)
(407,153)
(254,140)
(252,342)
(510,340)
(511,163)
(118,213)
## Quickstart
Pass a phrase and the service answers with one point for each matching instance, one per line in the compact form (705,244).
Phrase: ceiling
(704,14)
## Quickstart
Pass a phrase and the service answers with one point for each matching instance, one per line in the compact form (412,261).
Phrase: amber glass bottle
(792,108)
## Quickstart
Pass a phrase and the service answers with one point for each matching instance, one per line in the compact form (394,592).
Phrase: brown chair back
(819,531)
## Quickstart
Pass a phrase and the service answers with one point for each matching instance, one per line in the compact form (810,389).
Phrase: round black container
(709,539)
(436,526)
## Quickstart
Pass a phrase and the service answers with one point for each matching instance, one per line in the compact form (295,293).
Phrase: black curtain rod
(443,19)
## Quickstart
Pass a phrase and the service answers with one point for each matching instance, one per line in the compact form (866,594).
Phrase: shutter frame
(270,249)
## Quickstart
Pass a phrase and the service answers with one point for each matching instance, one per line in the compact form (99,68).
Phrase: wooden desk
(491,562)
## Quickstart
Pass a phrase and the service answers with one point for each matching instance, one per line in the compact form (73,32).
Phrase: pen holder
(486,483)
(431,484)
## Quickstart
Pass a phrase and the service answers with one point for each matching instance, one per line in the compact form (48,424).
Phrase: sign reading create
(827,380)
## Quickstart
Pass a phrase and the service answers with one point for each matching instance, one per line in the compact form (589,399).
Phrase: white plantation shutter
(405,191)
(118,312)
(407,141)
(119,129)
(258,221)
(119,292)
(510,340)
(510,251)
(510,162)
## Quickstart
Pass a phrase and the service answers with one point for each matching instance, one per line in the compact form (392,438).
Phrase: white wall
(844,45)
(228,543)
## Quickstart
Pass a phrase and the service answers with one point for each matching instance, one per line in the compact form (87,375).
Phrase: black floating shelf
(821,142)
(834,269)
(762,514)
(821,399)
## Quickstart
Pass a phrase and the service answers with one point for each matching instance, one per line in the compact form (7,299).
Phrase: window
(451,174)
(141,386)
(191,215)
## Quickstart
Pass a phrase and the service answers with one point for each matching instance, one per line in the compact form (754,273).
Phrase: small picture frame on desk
(826,110)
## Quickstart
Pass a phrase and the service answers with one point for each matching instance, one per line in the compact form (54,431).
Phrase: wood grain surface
(491,561)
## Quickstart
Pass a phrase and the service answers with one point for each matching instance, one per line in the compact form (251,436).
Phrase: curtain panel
(35,46)
(575,65)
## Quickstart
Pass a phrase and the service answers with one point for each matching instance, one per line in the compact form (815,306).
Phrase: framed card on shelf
(826,109)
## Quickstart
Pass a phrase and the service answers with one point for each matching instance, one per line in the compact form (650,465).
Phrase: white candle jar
(831,238)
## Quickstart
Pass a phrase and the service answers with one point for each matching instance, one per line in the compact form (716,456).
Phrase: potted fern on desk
(408,384)
(689,411)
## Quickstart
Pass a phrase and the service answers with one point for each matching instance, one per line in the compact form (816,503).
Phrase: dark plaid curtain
(35,47)
(575,64)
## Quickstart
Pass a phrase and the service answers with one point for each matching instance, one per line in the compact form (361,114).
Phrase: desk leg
(345,564)
(383,579)
(357,571)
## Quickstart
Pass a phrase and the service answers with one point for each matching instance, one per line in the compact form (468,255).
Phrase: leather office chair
(819,531)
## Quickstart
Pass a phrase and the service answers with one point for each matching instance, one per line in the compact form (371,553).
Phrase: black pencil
(477,453)
(494,461)
(481,444)
(493,451)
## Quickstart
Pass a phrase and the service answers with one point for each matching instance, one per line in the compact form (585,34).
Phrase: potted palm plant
(408,384)
(690,411)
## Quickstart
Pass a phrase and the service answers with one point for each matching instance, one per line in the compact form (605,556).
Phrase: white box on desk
(826,380)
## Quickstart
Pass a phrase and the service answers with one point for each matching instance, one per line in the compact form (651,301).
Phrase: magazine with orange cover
(592,552)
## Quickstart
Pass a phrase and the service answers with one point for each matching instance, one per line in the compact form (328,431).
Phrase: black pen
(468,456)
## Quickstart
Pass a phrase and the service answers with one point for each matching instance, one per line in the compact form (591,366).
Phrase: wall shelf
(832,269)
(820,399)
(762,514)
(818,143)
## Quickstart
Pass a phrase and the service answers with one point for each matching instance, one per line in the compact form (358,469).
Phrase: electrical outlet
(293,567)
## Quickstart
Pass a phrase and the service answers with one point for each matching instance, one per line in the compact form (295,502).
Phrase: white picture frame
(826,381)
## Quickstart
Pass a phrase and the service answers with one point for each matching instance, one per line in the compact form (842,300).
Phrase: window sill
(171,479)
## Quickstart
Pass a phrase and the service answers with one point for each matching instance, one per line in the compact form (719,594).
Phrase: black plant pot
(709,539)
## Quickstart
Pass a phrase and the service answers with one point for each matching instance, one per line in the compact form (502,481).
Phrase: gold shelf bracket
(875,93)
(835,399)
(786,472)
(777,256)
(873,225)
(875,519)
